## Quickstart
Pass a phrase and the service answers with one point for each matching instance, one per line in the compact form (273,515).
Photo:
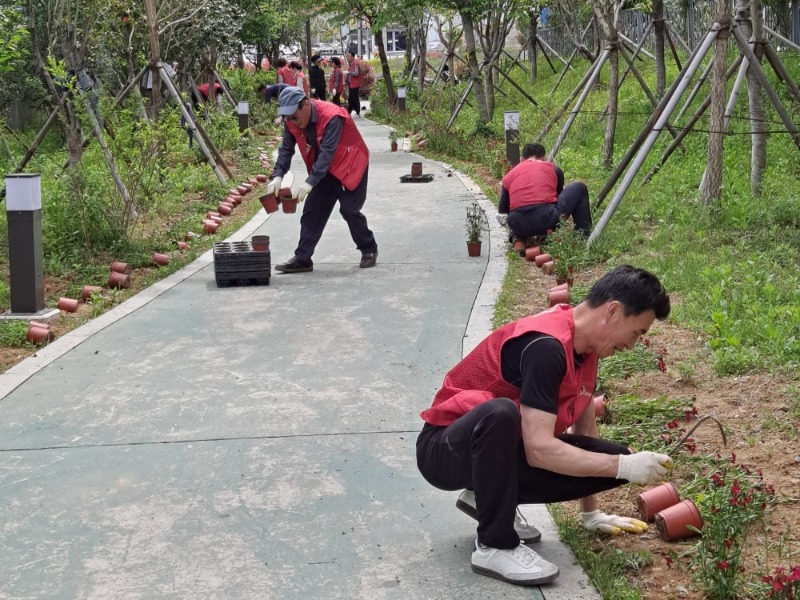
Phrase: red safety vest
(531,182)
(478,377)
(289,76)
(351,158)
(355,80)
(340,89)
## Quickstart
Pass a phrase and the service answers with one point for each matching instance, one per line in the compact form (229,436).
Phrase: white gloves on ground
(644,468)
(274,185)
(600,521)
(502,219)
(303,190)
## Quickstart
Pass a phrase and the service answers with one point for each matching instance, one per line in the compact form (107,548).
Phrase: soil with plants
(759,413)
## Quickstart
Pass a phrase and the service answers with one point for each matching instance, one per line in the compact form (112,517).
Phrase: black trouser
(483,451)
(536,219)
(336,99)
(319,94)
(353,101)
(317,210)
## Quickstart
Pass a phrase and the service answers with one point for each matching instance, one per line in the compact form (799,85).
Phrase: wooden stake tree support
(642,145)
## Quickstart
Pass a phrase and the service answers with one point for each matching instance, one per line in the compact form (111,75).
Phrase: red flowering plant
(784,583)
(734,499)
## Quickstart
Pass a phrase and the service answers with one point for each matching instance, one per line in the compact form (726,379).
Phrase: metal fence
(690,22)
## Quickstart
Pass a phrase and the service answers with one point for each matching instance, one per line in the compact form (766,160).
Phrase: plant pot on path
(394,146)
(656,499)
(473,248)
(532,252)
(260,243)
(673,522)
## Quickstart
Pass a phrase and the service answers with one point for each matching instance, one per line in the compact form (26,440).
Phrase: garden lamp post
(511,123)
(25,257)
(243,112)
(401,98)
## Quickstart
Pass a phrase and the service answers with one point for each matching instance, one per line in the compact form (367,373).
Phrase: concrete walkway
(258,442)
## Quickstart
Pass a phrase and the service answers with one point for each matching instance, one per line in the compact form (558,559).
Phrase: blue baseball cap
(289,100)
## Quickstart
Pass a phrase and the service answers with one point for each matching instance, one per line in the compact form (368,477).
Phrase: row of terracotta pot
(558,294)
(419,138)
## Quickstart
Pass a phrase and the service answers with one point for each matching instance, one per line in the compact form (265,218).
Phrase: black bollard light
(25,256)
(401,98)
(243,111)
(511,122)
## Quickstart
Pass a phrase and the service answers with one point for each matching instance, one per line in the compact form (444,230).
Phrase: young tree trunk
(657,15)
(472,59)
(613,104)
(387,73)
(712,189)
(155,53)
(533,20)
(758,153)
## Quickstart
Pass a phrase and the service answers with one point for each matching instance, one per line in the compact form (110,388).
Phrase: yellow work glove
(611,524)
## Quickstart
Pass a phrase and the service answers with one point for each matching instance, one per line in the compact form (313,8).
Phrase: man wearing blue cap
(337,160)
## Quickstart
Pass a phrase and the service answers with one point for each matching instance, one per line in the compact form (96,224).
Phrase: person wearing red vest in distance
(336,81)
(354,76)
(534,199)
(337,160)
(284,73)
(499,427)
(299,77)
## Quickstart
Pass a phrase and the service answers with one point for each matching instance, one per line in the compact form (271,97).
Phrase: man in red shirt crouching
(535,199)
(498,427)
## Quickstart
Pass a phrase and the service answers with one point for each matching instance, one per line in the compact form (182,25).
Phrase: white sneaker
(521,566)
(527,533)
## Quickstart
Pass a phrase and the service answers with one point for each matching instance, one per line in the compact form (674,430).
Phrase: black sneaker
(294,266)
(369,259)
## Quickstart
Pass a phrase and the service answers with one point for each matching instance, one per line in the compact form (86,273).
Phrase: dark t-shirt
(535,363)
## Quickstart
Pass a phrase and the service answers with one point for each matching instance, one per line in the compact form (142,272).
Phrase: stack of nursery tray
(236,263)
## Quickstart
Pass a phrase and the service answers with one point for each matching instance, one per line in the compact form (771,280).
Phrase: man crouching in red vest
(337,160)
(498,426)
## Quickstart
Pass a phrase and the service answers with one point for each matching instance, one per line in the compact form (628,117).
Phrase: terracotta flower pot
(261,178)
(260,243)
(473,248)
(421,145)
(566,281)
(269,202)
(39,335)
(532,252)
(549,268)
(242,189)
(599,402)
(558,297)
(541,259)
(67,304)
(160,259)
(190,235)
(212,213)
(234,191)
(416,169)
(394,146)
(119,280)
(120,267)
(88,290)
(672,522)
(182,246)
(656,499)
(560,287)
(210,226)
(224,209)
(252,180)
(288,204)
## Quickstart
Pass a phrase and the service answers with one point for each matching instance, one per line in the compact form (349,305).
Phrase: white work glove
(600,521)
(644,468)
(502,219)
(303,190)
(274,185)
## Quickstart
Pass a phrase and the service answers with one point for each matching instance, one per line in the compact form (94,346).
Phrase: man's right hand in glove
(274,185)
(644,468)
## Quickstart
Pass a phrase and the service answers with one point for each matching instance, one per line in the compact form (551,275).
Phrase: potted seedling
(475,224)
(393,139)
